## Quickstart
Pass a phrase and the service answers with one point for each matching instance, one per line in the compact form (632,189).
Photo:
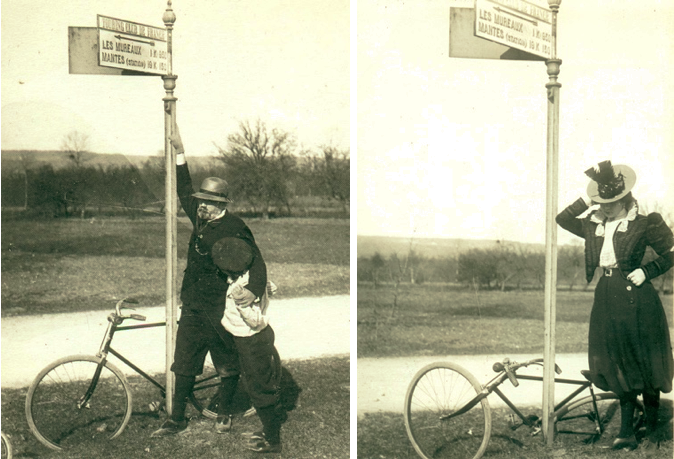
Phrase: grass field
(51,266)
(436,322)
(383,436)
(431,320)
(71,265)
(317,426)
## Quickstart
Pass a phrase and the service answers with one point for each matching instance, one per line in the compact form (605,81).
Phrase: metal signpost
(552,174)
(526,31)
(120,47)
(169,19)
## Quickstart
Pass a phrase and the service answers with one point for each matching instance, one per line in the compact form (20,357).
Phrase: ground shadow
(289,394)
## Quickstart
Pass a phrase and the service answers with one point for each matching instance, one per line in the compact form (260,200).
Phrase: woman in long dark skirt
(630,352)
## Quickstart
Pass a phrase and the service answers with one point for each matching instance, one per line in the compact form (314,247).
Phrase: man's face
(208,210)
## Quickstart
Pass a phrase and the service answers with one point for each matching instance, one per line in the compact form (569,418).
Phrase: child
(245,320)
(254,339)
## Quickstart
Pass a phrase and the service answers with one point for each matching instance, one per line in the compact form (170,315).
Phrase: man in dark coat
(204,291)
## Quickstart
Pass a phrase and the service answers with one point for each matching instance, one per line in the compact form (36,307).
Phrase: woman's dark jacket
(629,246)
(204,286)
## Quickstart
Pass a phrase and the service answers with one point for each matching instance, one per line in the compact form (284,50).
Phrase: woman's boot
(626,438)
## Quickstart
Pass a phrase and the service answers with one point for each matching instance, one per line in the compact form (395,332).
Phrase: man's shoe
(263,446)
(223,424)
(170,427)
(629,443)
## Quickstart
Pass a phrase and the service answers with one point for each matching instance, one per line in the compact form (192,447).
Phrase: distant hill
(429,247)
(11,159)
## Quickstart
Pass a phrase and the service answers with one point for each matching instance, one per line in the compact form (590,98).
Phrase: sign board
(132,46)
(83,54)
(463,42)
(515,23)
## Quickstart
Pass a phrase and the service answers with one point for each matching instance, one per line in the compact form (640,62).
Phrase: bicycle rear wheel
(56,411)
(437,390)
(7,452)
(205,395)
(580,418)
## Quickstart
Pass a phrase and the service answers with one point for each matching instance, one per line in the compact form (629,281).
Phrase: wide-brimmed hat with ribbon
(232,255)
(609,182)
(214,189)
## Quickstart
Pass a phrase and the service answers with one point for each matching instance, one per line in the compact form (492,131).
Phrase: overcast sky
(447,147)
(283,61)
(453,147)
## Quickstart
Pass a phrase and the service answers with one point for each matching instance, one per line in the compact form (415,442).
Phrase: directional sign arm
(119,37)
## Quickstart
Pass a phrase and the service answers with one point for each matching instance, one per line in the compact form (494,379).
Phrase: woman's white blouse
(607,257)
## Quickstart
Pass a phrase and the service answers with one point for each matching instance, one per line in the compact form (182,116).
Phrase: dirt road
(304,327)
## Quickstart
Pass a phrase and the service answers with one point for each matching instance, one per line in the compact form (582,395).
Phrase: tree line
(508,266)
(264,167)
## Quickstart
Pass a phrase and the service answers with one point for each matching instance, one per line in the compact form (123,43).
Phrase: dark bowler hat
(232,255)
(214,189)
(609,182)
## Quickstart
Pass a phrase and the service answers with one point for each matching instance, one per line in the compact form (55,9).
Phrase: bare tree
(75,145)
(377,262)
(334,170)
(260,164)
(571,263)
(27,162)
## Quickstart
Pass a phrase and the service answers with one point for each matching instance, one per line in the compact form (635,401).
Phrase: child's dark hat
(232,255)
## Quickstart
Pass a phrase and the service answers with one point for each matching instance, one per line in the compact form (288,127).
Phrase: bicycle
(7,452)
(447,414)
(85,396)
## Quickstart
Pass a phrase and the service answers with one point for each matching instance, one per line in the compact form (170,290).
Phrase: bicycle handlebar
(120,305)
(511,367)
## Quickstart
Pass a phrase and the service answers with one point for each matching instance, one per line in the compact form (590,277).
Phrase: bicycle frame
(114,322)
(492,387)
(530,423)
(130,364)
(106,348)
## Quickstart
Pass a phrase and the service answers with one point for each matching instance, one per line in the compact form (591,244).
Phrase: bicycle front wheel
(437,390)
(64,406)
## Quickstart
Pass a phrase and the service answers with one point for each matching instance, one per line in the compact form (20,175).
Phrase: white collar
(599,218)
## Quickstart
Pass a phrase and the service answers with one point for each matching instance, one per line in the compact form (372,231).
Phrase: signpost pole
(552,88)
(169,18)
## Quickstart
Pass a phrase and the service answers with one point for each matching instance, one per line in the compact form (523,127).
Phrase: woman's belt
(608,272)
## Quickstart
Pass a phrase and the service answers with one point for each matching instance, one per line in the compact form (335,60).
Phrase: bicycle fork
(113,321)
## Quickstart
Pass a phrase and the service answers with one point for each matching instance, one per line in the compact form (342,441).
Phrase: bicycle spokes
(442,416)
(66,407)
